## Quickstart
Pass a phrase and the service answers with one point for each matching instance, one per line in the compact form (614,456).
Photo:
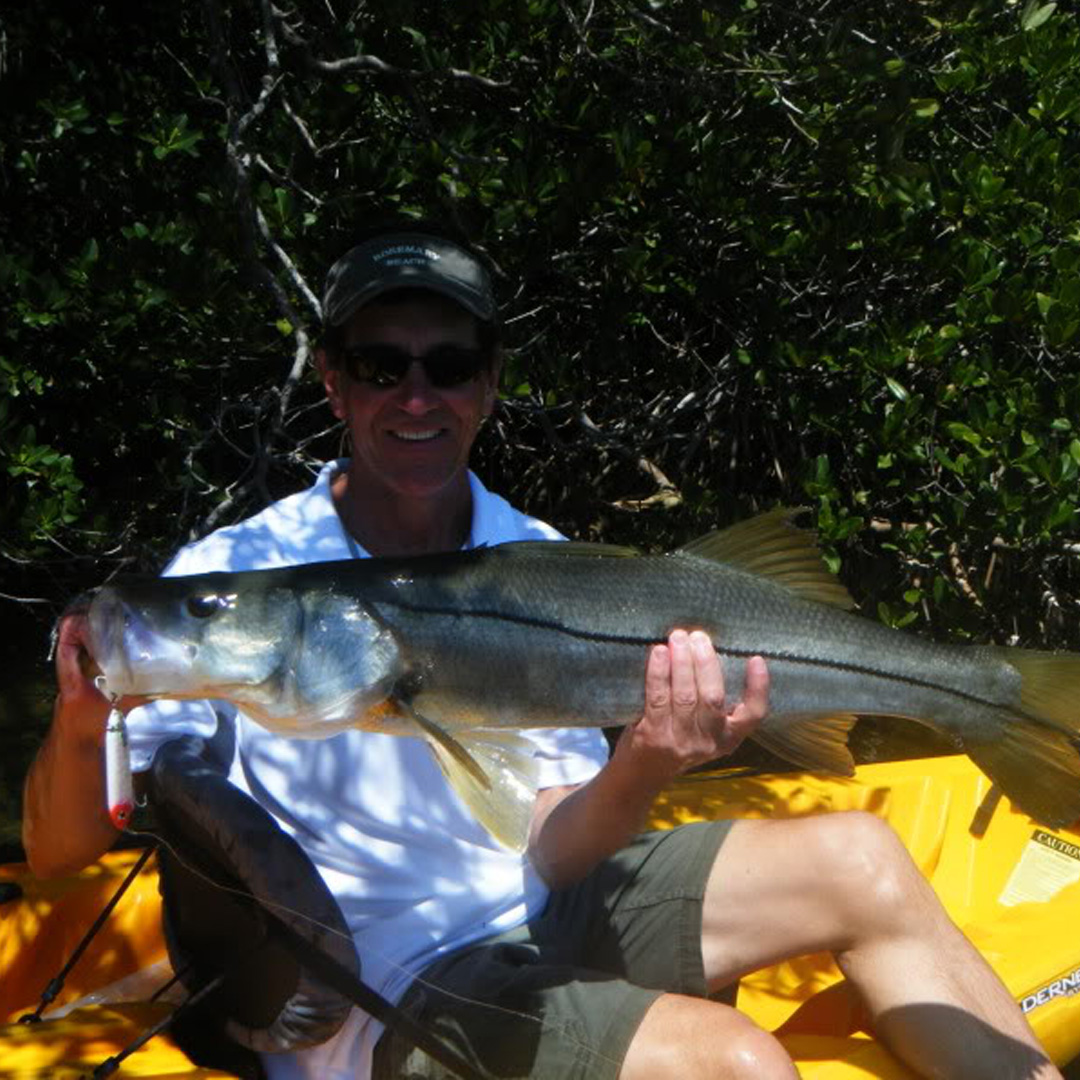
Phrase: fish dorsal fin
(772,546)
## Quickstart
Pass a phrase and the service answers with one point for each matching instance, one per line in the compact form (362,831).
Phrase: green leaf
(896,389)
(1035,14)
(1063,512)
(961,431)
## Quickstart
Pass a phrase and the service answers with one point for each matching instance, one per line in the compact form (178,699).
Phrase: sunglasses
(384,366)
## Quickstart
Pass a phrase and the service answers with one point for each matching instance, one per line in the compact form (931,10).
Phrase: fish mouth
(107,621)
(131,654)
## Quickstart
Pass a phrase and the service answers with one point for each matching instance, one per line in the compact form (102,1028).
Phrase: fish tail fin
(1036,767)
(1036,759)
(495,775)
(1051,686)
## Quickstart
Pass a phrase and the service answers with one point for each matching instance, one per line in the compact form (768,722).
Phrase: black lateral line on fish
(742,654)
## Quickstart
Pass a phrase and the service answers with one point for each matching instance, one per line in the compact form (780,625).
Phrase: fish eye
(202,607)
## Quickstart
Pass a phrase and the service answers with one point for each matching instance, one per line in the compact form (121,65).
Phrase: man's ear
(331,378)
(491,392)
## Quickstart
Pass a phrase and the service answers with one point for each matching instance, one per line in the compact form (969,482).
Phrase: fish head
(296,654)
(207,635)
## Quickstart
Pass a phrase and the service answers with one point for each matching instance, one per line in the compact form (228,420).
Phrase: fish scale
(464,649)
(813,650)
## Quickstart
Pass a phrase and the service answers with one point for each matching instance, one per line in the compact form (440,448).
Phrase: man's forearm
(65,822)
(575,828)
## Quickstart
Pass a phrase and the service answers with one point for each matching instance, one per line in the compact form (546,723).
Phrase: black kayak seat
(219,851)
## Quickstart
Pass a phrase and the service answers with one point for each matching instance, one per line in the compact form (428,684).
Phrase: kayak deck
(1012,886)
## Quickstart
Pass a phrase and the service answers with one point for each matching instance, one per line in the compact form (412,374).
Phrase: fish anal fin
(772,546)
(502,799)
(814,741)
(1036,767)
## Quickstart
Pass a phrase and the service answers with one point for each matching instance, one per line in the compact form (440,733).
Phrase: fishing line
(324,967)
(56,984)
(111,1064)
(121,802)
(562,1028)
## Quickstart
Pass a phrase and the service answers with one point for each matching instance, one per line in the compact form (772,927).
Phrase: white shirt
(414,873)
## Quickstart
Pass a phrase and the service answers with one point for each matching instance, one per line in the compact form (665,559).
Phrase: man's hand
(688,720)
(66,823)
(75,671)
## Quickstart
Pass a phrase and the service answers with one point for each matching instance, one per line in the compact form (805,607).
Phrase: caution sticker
(1047,865)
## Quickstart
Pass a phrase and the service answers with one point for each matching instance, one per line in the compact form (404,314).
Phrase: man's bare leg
(688,1038)
(844,883)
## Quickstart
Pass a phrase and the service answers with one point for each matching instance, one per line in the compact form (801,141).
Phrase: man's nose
(415,391)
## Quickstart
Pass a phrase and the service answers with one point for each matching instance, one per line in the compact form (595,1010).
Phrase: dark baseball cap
(406,260)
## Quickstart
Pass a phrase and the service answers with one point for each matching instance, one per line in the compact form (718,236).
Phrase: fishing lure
(119,788)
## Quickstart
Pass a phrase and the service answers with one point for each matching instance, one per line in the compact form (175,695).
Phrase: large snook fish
(463,648)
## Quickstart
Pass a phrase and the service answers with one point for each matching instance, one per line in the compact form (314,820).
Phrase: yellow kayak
(1010,884)
(1013,886)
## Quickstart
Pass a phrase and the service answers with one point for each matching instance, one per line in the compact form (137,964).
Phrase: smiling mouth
(418,436)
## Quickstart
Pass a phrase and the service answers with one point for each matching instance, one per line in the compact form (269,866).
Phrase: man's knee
(869,872)
(691,1037)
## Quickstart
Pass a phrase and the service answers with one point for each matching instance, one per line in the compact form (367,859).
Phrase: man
(592,957)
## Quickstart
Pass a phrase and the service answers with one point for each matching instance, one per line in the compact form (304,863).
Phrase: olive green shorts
(561,997)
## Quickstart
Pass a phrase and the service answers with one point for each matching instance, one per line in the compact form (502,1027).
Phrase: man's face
(412,439)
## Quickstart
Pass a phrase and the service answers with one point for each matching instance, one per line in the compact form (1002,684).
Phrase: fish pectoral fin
(495,774)
(449,746)
(772,546)
(815,741)
(1037,768)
